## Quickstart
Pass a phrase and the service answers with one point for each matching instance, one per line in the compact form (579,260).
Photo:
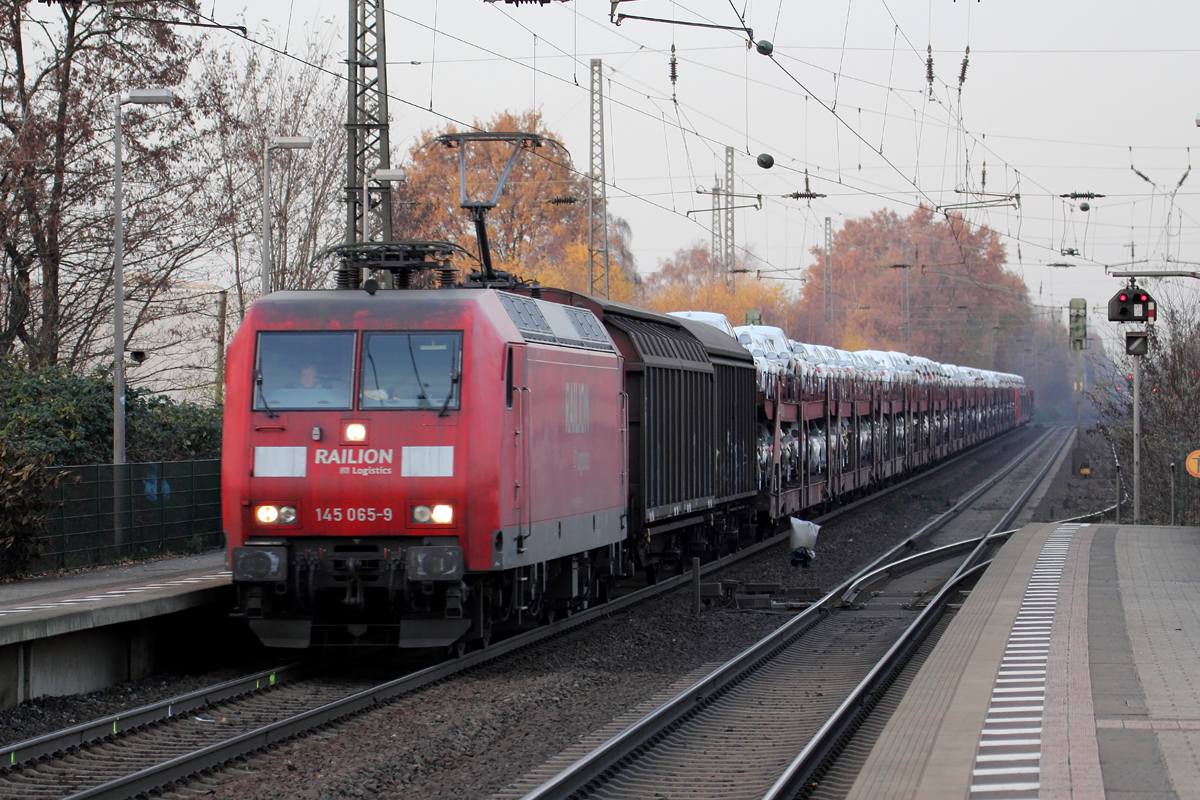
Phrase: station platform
(1072,670)
(82,631)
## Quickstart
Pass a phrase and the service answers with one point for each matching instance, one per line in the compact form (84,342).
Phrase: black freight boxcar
(691,421)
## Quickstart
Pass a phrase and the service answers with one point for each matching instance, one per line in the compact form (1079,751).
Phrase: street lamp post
(273,143)
(143,97)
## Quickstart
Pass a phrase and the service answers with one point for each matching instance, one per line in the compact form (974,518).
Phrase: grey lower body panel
(520,546)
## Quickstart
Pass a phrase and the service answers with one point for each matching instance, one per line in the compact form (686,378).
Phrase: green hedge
(24,481)
(51,412)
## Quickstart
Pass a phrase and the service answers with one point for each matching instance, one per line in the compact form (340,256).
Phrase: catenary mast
(368,201)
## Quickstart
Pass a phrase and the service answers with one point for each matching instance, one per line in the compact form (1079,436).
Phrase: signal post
(1133,304)
(1078,333)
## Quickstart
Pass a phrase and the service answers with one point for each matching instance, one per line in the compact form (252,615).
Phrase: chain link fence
(105,513)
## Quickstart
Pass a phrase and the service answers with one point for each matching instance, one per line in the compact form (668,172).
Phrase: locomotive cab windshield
(301,371)
(313,371)
(410,371)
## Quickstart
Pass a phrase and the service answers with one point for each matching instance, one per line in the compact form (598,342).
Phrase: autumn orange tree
(963,305)
(692,280)
(538,230)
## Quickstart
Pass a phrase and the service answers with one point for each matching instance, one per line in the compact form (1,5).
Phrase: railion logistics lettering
(352,455)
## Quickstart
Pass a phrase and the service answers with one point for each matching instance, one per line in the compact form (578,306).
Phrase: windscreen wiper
(258,378)
(417,373)
(455,374)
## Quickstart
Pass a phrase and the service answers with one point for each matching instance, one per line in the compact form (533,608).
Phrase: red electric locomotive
(403,467)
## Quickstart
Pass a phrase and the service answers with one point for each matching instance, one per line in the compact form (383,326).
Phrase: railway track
(158,746)
(770,722)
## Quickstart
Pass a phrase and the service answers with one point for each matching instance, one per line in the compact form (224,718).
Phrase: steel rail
(823,744)
(97,729)
(182,767)
(921,559)
(939,522)
(868,692)
(1016,507)
(644,732)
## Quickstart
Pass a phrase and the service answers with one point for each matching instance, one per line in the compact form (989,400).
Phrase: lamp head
(148,97)
(290,142)
(382,175)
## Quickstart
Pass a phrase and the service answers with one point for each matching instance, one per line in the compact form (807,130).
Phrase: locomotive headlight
(355,432)
(440,514)
(270,515)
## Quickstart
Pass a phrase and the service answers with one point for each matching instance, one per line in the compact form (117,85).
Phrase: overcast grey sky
(1058,97)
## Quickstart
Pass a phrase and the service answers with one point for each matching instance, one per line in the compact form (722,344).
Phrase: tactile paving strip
(1008,760)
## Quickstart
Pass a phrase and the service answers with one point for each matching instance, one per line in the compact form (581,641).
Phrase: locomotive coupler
(394,565)
(307,564)
(354,588)
(454,601)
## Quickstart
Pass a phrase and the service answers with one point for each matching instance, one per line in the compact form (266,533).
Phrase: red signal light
(1144,298)
(1124,297)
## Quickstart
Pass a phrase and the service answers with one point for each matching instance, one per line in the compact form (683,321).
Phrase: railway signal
(1132,304)
(1078,322)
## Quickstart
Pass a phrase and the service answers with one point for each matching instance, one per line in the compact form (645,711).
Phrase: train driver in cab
(309,378)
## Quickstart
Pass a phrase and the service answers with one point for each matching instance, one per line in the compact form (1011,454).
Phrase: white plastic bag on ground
(803,542)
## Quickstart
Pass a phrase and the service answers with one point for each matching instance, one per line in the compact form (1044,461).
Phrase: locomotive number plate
(354,514)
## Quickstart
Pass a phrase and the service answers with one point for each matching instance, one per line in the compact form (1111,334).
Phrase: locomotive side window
(508,380)
(296,371)
(411,371)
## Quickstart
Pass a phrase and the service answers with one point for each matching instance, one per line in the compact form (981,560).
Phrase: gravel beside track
(475,733)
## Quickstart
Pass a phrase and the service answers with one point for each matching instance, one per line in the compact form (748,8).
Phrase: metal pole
(1137,442)
(1079,400)
(1118,494)
(266,219)
(222,297)
(118,325)
(597,188)
(728,236)
(1172,494)
(353,174)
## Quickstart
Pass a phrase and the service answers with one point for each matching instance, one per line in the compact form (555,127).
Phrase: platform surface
(1072,670)
(40,607)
